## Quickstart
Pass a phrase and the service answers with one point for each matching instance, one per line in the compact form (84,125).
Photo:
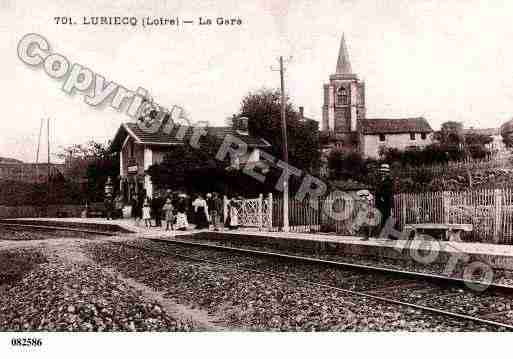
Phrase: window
(412,135)
(423,135)
(382,137)
(131,149)
(342,96)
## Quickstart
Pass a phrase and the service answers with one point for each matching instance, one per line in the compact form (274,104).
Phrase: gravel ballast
(66,295)
(251,301)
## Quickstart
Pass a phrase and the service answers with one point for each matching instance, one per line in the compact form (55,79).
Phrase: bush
(432,154)
(346,165)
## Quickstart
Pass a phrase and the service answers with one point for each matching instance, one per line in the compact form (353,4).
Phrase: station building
(140,149)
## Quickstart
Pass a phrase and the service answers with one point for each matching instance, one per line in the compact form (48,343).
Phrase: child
(146,213)
(169,215)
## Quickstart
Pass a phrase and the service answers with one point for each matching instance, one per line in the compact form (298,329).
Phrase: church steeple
(344,98)
(343,64)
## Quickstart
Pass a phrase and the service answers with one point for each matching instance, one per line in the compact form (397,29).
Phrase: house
(344,122)
(29,172)
(140,149)
(401,134)
(497,144)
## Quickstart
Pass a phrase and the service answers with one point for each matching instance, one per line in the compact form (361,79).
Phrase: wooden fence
(490,211)
(53,210)
(332,213)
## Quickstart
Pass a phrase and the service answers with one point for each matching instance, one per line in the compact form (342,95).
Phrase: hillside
(9,160)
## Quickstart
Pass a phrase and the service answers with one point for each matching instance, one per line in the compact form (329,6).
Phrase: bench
(441,231)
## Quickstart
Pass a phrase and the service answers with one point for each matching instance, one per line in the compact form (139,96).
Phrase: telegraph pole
(48,150)
(285,151)
(284,148)
(48,144)
(37,153)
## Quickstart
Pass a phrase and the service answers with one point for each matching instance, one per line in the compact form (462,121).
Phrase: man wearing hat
(384,193)
(215,208)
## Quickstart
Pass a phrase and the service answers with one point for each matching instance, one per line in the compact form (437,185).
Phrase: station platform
(497,256)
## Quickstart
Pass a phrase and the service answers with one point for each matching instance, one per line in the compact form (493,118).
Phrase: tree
(263,110)
(459,145)
(88,151)
(185,166)
(451,133)
(92,161)
(507,133)
(347,165)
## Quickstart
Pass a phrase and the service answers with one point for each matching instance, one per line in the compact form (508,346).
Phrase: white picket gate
(254,212)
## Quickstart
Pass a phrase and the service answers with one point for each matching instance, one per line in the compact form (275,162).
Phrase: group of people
(179,210)
(113,206)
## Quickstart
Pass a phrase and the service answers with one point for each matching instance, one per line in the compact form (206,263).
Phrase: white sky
(445,60)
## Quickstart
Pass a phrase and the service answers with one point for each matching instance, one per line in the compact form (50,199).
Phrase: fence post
(445,205)
(270,211)
(260,211)
(497,222)
(403,210)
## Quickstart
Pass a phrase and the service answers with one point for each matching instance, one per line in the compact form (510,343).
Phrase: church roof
(373,126)
(343,64)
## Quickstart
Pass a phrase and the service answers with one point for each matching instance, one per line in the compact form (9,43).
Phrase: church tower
(344,100)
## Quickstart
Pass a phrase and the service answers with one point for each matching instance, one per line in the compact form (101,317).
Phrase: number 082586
(26,342)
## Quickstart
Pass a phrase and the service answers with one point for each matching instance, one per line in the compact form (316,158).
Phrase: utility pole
(38,145)
(285,151)
(48,150)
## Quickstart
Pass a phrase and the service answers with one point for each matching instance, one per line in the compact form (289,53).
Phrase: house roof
(9,160)
(172,138)
(372,126)
(482,131)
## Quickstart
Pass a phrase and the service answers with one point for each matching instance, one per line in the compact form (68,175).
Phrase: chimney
(240,123)
(301,112)
(243,124)
(235,122)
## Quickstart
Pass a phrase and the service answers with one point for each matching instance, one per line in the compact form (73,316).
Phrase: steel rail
(59,228)
(427,276)
(325,286)
(390,271)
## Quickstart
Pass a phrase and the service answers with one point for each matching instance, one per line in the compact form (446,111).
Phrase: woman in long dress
(200,212)
(232,222)
(181,216)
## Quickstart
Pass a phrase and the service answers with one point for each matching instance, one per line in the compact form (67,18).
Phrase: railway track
(493,306)
(57,228)
(419,291)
